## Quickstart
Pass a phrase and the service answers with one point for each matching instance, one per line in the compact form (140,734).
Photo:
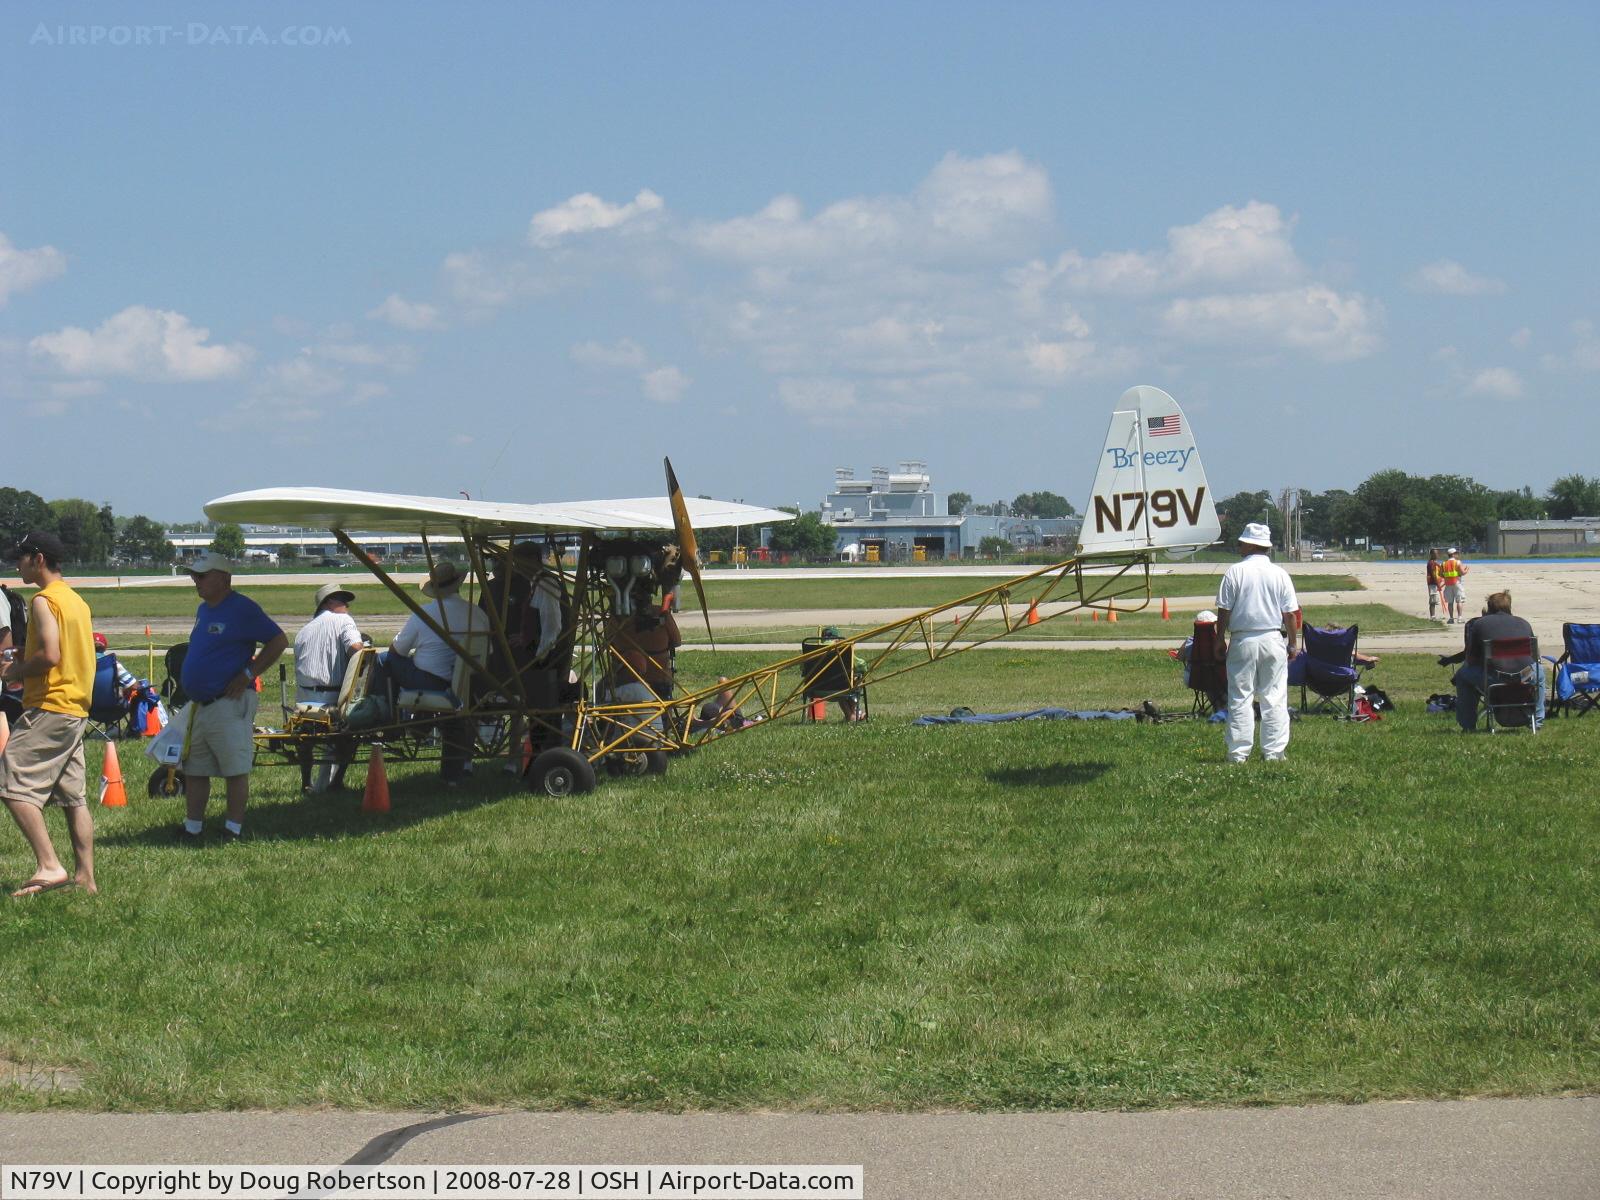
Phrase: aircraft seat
(460,693)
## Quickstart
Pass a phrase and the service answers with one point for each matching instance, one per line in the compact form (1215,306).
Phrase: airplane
(586,705)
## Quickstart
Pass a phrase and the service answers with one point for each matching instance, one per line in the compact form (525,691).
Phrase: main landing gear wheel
(633,763)
(560,772)
(165,782)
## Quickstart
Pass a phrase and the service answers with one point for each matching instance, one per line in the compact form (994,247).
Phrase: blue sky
(525,250)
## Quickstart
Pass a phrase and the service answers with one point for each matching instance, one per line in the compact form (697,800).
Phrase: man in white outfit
(1256,604)
(322,650)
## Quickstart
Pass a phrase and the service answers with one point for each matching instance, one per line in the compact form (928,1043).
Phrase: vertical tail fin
(1150,490)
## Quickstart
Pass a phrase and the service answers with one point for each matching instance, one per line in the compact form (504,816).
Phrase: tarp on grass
(966,717)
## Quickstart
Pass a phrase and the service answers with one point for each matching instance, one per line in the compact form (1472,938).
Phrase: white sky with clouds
(526,250)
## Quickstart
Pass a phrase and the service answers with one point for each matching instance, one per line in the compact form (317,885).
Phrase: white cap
(1452,550)
(1205,617)
(1256,534)
(210,560)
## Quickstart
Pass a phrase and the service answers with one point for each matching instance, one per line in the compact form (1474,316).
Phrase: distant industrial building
(1544,537)
(896,516)
(265,544)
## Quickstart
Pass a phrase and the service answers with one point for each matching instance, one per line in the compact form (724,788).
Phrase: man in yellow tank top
(43,762)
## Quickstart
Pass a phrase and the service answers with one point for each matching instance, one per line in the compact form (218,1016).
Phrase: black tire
(164,784)
(560,772)
(655,762)
(626,764)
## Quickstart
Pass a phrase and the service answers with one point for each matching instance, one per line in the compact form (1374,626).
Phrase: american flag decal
(1164,426)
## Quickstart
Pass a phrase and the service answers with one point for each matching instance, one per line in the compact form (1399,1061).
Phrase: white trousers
(1258,669)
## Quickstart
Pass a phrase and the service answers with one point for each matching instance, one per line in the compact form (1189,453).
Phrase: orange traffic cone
(1094,615)
(1166,613)
(1033,613)
(152,721)
(1112,615)
(376,798)
(819,710)
(527,753)
(112,793)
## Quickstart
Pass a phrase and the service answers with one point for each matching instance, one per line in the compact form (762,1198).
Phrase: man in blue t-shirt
(219,674)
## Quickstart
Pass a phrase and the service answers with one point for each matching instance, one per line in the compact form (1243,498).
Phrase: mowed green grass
(864,592)
(845,917)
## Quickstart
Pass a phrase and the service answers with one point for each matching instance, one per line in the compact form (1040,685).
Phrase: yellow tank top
(67,687)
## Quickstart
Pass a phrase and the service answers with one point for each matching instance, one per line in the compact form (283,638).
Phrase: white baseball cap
(1205,617)
(210,561)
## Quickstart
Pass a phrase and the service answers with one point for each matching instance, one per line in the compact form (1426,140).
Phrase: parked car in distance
(327,562)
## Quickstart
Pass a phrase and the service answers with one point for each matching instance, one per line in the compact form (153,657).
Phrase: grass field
(874,916)
(913,592)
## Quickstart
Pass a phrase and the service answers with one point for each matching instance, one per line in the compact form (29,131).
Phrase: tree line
(92,533)
(1393,508)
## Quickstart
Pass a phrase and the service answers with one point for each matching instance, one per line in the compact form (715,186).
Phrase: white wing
(383,512)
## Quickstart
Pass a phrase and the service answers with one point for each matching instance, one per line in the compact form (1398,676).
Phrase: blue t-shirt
(223,642)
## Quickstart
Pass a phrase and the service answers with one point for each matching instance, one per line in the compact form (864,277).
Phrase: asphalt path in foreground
(1480,1148)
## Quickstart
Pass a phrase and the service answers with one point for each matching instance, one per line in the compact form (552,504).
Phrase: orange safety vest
(1450,570)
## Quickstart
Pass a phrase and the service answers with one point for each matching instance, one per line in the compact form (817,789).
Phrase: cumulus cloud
(1315,319)
(665,385)
(965,208)
(661,383)
(142,343)
(1248,245)
(1500,382)
(950,294)
(403,314)
(1584,354)
(1449,278)
(587,213)
(23,269)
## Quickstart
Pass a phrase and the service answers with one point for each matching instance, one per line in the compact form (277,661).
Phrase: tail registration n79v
(1150,489)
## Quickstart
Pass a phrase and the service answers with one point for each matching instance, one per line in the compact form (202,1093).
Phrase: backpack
(17,614)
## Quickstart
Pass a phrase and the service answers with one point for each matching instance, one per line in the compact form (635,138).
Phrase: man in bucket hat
(419,658)
(1256,604)
(322,650)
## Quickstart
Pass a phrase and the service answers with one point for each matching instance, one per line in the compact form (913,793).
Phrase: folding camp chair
(1203,673)
(172,686)
(832,677)
(1327,668)
(1577,671)
(108,706)
(1511,679)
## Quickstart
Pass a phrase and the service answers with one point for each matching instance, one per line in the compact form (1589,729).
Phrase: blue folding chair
(1577,671)
(1327,669)
(108,707)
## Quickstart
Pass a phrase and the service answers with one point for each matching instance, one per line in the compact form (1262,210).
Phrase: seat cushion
(427,701)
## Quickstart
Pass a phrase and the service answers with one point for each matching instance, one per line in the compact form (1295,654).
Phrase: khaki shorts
(43,762)
(221,737)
